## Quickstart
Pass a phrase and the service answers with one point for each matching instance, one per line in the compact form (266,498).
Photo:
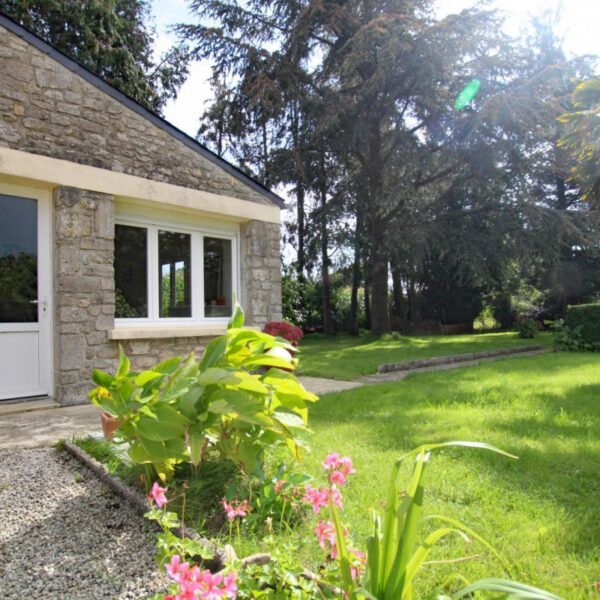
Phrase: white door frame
(45,292)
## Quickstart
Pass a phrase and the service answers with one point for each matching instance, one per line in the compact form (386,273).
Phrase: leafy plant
(276,502)
(569,339)
(240,398)
(395,550)
(527,328)
(284,330)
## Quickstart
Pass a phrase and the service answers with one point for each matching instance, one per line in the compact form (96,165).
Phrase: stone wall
(84,297)
(261,272)
(47,109)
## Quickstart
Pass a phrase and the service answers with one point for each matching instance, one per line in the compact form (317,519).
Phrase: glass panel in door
(18,260)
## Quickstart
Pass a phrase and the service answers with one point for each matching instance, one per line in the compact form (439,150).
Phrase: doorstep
(8,407)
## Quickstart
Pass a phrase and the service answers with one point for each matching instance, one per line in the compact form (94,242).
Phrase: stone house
(115,228)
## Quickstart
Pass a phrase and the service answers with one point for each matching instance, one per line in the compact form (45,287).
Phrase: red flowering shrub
(287,331)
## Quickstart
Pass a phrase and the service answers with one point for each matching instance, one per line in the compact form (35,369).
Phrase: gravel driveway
(65,535)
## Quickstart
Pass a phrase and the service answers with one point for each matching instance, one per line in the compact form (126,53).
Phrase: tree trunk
(328,328)
(300,195)
(353,328)
(380,317)
(367,292)
(398,295)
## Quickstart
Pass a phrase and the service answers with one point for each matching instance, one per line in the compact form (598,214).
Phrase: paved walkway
(43,423)
(22,427)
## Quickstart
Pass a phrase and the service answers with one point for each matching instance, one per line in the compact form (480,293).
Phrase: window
(166,275)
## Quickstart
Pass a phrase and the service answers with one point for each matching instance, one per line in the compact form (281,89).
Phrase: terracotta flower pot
(109,425)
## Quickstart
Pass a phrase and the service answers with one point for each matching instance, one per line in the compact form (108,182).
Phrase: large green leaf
(237,318)
(145,376)
(242,405)
(213,353)
(196,439)
(511,589)
(216,375)
(166,423)
(102,379)
(124,364)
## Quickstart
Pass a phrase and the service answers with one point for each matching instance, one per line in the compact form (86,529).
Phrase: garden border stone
(140,503)
(456,358)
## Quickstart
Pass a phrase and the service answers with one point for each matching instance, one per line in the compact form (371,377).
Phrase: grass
(345,357)
(541,511)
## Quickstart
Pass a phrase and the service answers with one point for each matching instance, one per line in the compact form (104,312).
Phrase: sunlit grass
(345,357)
(541,511)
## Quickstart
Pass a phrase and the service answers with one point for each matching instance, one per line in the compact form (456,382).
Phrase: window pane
(131,272)
(175,269)
(217,277)
(18,260)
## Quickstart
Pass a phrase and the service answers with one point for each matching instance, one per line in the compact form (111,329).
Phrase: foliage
(236,400)
(284,330)
(112,39)
(396,552)
(527,329)
(586,317)
(282,577)
(351,108)
(485,320)
(276,502)
(582,135)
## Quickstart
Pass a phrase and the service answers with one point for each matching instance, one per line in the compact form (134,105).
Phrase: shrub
(284,330)
(527,328)
(239,399)
(569,339)
(586,317)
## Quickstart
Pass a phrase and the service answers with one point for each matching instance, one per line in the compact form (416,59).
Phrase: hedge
(588,317)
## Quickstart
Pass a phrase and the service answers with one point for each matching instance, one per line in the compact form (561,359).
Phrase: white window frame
(197,234)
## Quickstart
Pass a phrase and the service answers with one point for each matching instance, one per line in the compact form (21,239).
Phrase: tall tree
(112,38)
(582,137)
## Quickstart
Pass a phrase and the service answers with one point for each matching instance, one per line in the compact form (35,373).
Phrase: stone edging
(457,358)
(139,501)
(140,504)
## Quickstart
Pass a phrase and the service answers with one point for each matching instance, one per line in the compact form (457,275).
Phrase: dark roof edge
(132,104)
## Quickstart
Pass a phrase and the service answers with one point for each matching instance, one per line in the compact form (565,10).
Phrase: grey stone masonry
(84,298)
(261,272)
(47,109)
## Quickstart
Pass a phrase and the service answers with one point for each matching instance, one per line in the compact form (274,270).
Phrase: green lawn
(345,357)
(541,511)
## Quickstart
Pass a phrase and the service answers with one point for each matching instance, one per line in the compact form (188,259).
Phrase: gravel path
(64,535)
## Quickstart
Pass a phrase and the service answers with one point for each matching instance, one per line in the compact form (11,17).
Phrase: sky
(579,26)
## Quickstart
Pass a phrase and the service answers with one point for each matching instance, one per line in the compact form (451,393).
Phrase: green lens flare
(467,94)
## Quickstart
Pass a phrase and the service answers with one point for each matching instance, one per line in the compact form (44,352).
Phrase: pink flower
(357,562)
(194,584)
(337,478)
(157,494)
(235,508)
(325,532)
(340,467)
(279,485)
(315,496)
(177,570)
(319,497)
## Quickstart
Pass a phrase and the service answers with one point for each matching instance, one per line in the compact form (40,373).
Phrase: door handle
(42,303)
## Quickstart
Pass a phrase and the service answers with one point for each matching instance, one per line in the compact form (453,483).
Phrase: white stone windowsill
(147,333)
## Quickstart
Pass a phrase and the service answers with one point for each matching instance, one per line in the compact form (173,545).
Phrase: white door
(25,293)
